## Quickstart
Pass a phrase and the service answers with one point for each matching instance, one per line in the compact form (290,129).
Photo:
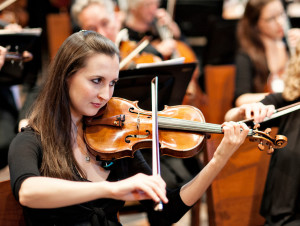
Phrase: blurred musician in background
(145,18)
(19,72)
(96,15)
(8,118)
(264,53)
(280,203)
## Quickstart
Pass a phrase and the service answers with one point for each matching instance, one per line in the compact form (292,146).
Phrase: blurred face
(146,10)
(272,20)
(91,87)
(95,17)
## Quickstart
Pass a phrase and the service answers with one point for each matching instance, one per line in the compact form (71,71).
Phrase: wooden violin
(121,128)
(130,53)
(18,57)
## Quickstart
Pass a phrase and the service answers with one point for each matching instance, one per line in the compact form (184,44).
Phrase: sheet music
(175,61)
(6,3)
(24,31)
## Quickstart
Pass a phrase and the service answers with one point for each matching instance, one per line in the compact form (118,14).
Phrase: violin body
(127,47)
(181,50)
(124,128)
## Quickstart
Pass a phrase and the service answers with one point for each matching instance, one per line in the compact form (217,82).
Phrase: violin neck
(192,126)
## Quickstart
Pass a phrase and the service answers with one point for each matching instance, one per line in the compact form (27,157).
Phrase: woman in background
(281,198)
(263,54)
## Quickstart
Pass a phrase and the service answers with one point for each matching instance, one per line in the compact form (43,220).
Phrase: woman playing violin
(53,175)
(280,203)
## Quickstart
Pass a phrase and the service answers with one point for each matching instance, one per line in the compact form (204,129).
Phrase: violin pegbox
(264,139)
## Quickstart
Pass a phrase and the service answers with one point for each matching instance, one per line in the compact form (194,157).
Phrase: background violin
(131,55)
(122,128)
(18,57)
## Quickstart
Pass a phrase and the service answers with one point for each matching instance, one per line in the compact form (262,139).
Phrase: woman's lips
(96,105)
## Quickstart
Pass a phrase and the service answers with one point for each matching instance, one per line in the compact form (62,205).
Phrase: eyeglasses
(274,17)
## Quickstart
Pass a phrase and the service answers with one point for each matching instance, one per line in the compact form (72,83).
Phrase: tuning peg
(261,147)
(256,126)
(268,130)
(270,150)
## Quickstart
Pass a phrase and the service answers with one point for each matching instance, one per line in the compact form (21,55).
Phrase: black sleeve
(23,159)
(275,99)
(244,75)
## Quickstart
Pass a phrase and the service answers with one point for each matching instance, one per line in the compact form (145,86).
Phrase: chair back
(11,212)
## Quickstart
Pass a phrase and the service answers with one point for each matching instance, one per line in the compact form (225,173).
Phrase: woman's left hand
(3,52)
(234,135)
(293,37)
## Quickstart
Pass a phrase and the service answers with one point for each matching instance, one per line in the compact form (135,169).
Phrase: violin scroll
(264,139)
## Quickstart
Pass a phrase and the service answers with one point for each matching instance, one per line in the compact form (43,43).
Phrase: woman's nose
(104,93)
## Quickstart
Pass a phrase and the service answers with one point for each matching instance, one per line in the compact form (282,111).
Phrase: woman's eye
(113,83)
(96,80)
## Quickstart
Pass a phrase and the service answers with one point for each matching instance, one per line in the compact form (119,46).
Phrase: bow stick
(279,112)
(155,139)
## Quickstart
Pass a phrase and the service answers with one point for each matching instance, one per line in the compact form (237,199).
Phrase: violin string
(189,125)
(174,123)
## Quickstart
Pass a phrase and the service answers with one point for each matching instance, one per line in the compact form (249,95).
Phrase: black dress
(281,198)
(25,157)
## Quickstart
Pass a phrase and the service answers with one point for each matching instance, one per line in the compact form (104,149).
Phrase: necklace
(87,158)
(80,142)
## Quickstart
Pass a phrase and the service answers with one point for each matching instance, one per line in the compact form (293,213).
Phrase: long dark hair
(251,43)
(51,116)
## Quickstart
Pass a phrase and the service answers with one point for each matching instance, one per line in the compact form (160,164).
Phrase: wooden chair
(219,85)
(58,29)
(235,195)
(11,213)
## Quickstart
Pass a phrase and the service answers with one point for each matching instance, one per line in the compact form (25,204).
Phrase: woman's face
(272,20)
(91,87)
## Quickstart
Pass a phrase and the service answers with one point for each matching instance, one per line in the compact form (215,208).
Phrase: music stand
(172,84)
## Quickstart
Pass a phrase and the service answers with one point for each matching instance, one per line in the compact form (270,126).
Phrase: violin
(12,11)
(18,57)
(130,53)
(121,128)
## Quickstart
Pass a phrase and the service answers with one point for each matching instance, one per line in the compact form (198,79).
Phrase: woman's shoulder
(27,137)
(241,53)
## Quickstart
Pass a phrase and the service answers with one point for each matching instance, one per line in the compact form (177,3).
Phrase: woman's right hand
(257,111)
(140,187)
